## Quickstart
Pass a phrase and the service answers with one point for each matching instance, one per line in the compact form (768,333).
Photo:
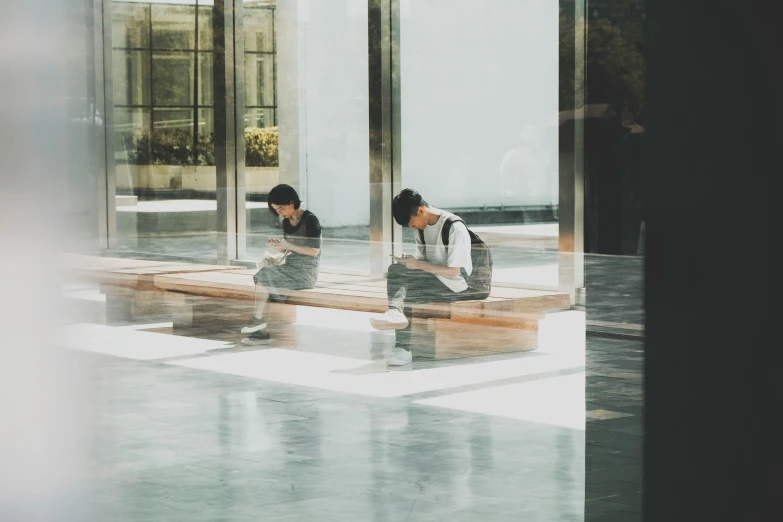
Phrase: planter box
(149,176)
(202,179)
(258,180)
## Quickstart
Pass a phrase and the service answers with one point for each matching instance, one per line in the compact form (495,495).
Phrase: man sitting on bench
(438,273)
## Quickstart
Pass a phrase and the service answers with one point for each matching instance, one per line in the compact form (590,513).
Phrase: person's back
(306,233)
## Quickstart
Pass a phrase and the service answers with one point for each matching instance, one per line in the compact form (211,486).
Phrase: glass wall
(311,131)
(262,152)
(479,125)
(481,108)
(164,153)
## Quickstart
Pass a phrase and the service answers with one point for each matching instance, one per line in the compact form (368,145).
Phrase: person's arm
(459,255)
(432,268)
(304,250)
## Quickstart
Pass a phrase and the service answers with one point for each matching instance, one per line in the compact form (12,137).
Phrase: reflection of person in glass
(523,176)
(436,274)
(294,267)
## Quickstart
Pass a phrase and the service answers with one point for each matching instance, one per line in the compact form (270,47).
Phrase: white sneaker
(253,326)
(399,357)
(392,319)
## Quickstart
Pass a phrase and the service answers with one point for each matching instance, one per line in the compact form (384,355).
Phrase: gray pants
(273,281)
(416,287)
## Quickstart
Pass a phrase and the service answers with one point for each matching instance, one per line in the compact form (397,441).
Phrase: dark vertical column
(380,93)
(225,129)
(714,352)
(396,122)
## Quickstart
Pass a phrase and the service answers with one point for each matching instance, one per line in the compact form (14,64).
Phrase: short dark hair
(283,195)
(405,205)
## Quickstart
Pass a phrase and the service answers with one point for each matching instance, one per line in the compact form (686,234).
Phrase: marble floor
(189,425)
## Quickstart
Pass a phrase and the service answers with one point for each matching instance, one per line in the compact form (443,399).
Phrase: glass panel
(172,75)
(205,34)
(131,143)
(205,79)
(259,118)
(173,27)
(131,77)
(165,175)
(321,151)
(502,178)
(259,79)
(130,25)
(259,30)
(172,137)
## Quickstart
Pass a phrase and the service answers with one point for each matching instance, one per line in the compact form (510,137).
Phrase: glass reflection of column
(259,124)
(571,179)
(163,127)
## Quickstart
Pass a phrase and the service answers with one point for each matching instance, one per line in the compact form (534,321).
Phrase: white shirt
(457,255)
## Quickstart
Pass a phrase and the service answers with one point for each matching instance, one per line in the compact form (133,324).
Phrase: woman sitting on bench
(296,267)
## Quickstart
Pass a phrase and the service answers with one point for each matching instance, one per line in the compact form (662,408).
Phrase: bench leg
(282,313)
(118,309)
(187,311)
(124,305)
(445,338)
(191,311)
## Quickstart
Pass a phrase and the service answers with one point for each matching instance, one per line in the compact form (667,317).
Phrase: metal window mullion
(195,92)
(239,129)
(396,122)
(152,97)
(274,68)
(107,180)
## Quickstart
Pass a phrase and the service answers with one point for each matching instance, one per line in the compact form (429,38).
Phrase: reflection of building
(303,65)
(162,68)
(615,10)
(612,178)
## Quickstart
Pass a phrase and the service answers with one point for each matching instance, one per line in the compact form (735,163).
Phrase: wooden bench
(195,294)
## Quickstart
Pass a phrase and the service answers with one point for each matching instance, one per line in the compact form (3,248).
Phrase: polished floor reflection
(192,426)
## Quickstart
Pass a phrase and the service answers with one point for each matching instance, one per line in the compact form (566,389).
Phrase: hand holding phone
(406,259)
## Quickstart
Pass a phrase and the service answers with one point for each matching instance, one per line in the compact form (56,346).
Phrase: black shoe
(258,338)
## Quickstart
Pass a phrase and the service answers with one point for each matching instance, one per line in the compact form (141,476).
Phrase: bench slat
(341,291)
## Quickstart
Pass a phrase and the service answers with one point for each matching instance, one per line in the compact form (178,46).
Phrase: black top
(306,233)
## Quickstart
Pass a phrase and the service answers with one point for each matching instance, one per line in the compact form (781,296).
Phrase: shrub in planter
(175,147)
(169,147)
(261,147)
(205,150)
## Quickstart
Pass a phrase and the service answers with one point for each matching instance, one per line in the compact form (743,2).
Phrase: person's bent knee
(397,268)
(262,277)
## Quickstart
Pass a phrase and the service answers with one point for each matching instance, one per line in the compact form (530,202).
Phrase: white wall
(324,115)
(475,77)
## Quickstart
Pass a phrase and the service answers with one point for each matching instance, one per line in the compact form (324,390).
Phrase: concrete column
(290,28)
